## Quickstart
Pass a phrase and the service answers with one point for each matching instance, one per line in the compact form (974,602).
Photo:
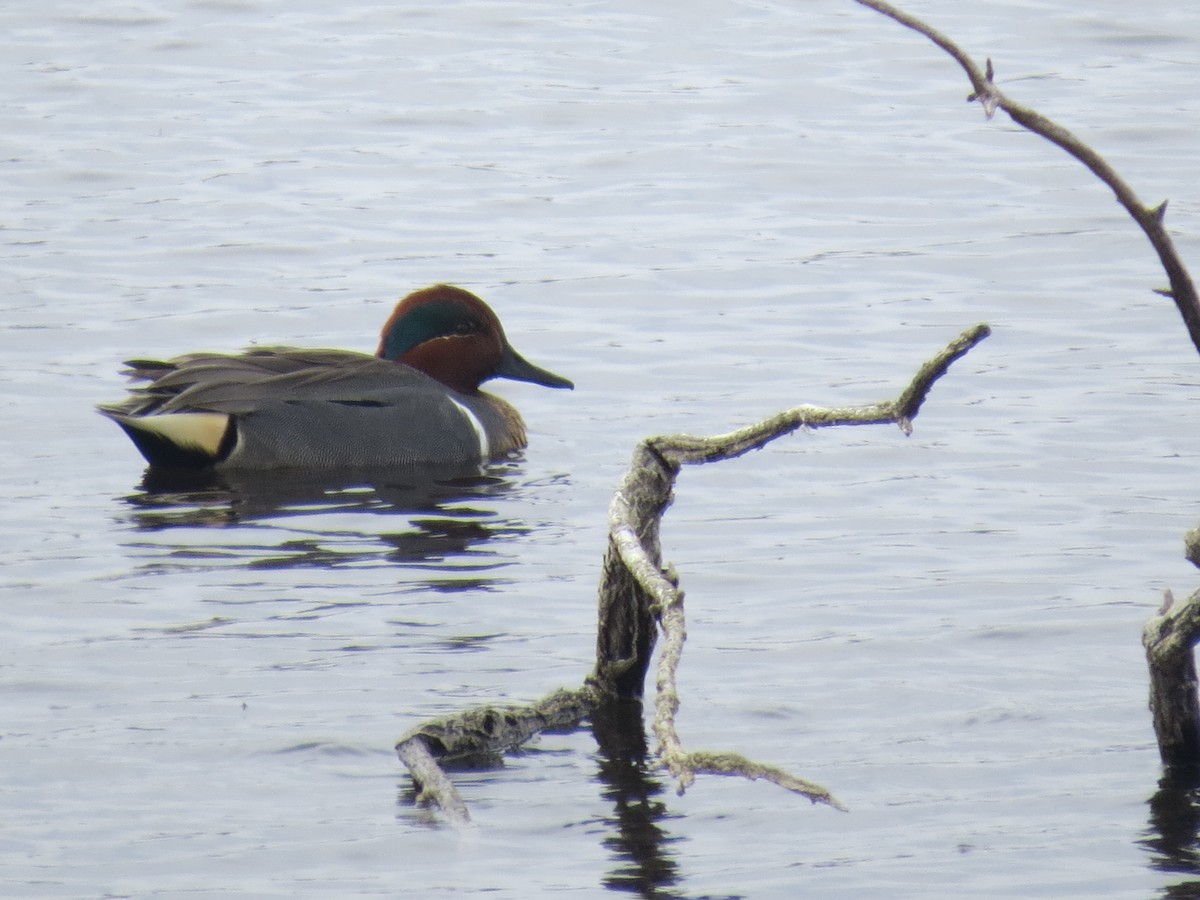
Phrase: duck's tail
(187,440)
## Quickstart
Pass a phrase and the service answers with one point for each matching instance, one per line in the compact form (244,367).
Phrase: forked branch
(638,596)
(648,486)
(1149,219)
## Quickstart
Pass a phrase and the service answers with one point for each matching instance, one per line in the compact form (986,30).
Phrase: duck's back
(287,407)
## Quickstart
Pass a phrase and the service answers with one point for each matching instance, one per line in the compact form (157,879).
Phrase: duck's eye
(469,326)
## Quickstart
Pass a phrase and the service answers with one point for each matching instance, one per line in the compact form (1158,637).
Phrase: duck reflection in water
(446,515)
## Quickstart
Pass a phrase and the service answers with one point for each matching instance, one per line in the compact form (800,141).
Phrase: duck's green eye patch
(425,323)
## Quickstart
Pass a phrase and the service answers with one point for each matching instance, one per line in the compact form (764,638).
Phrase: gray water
(702,213)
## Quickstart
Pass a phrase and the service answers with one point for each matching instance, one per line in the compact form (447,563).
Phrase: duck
(415,402)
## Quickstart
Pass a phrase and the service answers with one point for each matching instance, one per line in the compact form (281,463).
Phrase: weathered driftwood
(638,596)
(1170,639)
(482,732)
(1149,218)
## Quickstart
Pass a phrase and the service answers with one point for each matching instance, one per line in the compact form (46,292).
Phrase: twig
(1149,219)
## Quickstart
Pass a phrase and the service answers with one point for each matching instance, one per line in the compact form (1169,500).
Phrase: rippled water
(701,214)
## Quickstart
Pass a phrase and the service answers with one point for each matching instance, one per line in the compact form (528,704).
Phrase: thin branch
(703,762)
(682,449)
(634,555)
(685,766)
(1149,219)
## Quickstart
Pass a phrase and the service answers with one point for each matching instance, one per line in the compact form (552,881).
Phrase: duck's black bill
(514,366)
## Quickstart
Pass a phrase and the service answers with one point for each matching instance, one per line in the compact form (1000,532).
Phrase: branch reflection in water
(1172,834)
(420,518)
(638,842)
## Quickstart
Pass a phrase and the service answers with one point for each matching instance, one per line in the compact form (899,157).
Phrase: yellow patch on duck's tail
(179,440)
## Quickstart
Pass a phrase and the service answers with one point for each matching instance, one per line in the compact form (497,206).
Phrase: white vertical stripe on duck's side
(485,452)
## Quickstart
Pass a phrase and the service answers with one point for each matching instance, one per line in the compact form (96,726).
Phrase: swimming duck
(416,401)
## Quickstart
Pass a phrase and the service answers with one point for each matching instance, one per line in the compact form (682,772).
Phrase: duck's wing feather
(241,383)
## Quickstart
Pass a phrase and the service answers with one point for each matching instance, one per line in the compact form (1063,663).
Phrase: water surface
(701,214)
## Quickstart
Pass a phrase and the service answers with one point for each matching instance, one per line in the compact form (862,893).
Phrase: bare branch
(1149,219)
(685,449)
(703,762)
(685,766)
